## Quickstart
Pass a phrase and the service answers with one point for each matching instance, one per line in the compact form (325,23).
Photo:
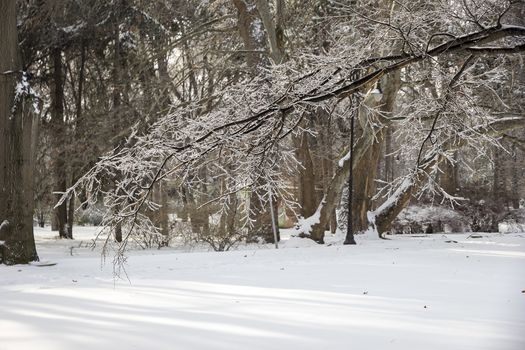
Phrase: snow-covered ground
(407,293)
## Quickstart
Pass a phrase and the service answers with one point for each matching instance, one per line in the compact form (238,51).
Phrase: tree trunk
(41,219)
(389,174)
(306,178)
(164,212)
(79,128)
(54,220)
(514,180)
(116,117)
(58,129)
(498,185)
(275,32)
(16,168)
(327,165)
(118,232)
(261,217)
(448,177)
(199,218)
(253,29)
(70,215)
(364,184)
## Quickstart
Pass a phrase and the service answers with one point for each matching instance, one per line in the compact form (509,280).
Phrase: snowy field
(407,293)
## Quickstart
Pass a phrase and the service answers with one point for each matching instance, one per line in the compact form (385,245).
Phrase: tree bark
(16,167)
(365,173)
(252,33)
(261,216)
(448,178)
(389,174)
(70,215)
(306,178)
(275,32)
(58,129)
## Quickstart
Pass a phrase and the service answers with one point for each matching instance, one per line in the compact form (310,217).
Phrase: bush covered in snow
(514,221)
(482,215)
(93,215)
(473,216)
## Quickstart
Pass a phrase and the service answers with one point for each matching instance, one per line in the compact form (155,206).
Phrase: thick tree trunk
(364,183)
(16,168)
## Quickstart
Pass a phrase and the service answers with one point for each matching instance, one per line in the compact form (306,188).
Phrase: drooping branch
(447,98)
(242,123)
(495,50)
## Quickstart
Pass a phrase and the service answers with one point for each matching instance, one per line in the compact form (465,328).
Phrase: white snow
(73,29)
(22,88)
(508,227)
(391,201)
(4,224)
(342,161)
(257,30)
(304,225)
(404,293)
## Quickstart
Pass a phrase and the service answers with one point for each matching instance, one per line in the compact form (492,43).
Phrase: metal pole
(274,224)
